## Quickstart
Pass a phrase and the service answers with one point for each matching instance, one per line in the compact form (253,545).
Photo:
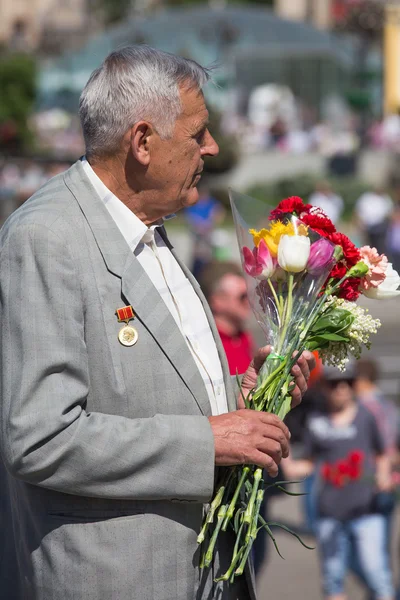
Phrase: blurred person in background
(344,447)
(386,414)
(225,288)
(296,420)
(393,237)
(202,219)
(373,211)
(325,198)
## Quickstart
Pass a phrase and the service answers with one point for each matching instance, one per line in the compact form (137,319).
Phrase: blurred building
(46,26)
(318,12)
(251,45)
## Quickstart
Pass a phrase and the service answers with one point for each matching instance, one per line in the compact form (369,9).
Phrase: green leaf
(239,384)
(285,528)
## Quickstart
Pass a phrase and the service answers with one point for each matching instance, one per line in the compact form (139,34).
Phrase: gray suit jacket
(108,448)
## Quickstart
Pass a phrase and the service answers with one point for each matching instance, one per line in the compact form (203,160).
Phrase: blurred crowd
(320,136)
(272,118)
(20,178)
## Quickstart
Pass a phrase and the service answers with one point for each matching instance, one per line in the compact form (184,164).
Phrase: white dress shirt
(174,288)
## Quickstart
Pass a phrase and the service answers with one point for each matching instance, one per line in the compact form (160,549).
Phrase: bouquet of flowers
(303,279)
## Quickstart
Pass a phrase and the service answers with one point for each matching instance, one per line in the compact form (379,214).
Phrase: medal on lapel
(128,336)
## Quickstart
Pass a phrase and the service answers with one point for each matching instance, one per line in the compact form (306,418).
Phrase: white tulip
(388,288)
(293,252)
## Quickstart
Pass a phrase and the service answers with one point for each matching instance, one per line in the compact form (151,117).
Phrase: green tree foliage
(113,11)
(349,188)
(231,2)
(17,99)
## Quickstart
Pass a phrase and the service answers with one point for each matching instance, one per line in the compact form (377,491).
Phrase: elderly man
(116,399)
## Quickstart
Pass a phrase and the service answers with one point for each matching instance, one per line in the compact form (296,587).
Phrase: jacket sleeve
(48,438)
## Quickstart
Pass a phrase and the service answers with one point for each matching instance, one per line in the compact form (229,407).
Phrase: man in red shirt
(225,289)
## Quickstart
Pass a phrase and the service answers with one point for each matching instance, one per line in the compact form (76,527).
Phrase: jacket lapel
(136,285)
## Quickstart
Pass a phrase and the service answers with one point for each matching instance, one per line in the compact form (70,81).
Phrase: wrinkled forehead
(193,105)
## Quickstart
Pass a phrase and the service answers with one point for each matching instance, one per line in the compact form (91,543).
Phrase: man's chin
(192,197)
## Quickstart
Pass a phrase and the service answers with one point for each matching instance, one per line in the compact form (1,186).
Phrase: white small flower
(293,252)
(388,288)
(337,353)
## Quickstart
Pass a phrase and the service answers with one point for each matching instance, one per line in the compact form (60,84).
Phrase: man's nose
(210,147)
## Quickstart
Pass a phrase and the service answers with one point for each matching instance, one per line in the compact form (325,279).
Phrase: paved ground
(297,577)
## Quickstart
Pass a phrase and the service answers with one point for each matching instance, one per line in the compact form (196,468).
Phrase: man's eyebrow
(203,125)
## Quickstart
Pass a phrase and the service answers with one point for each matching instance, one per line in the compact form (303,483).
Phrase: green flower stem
(278,304)
(231,509)
(248,515)
(252,533)
(288,312)
(235,558)
(241,567)
(260,498)
(210,515)
(210,550)
(260,391)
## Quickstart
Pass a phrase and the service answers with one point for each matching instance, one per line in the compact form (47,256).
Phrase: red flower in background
(345,470)
(294,204)
(326,471)
(354,472)
(338,480)
(343,467)
(356,457)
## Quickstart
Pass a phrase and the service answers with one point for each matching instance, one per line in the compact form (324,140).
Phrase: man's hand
(300,372)
(250,437)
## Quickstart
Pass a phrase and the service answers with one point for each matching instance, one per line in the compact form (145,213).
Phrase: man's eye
(201,135)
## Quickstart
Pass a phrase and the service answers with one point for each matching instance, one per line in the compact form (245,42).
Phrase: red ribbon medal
(128,336)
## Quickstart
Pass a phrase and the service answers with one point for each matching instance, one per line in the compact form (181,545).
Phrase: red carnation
(294,204)
(349,289)
(319,223)
(351,253)
(338,271)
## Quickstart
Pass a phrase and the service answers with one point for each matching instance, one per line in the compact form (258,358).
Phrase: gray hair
(134,83)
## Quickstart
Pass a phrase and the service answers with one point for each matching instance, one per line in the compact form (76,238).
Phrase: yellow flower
(273,235)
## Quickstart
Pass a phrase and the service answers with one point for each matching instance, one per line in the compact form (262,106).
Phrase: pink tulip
(321,254)
(259,262)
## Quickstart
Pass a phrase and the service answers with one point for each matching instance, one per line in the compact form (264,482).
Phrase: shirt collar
(132,228)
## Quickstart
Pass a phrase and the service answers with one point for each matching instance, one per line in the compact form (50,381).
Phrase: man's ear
(141,134)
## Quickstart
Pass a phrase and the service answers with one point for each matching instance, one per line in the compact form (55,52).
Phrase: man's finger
(275,436)
(310,358)
(260,357)
(300,379)
(303,365)
(296,397)
(265,462)
(274,420)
